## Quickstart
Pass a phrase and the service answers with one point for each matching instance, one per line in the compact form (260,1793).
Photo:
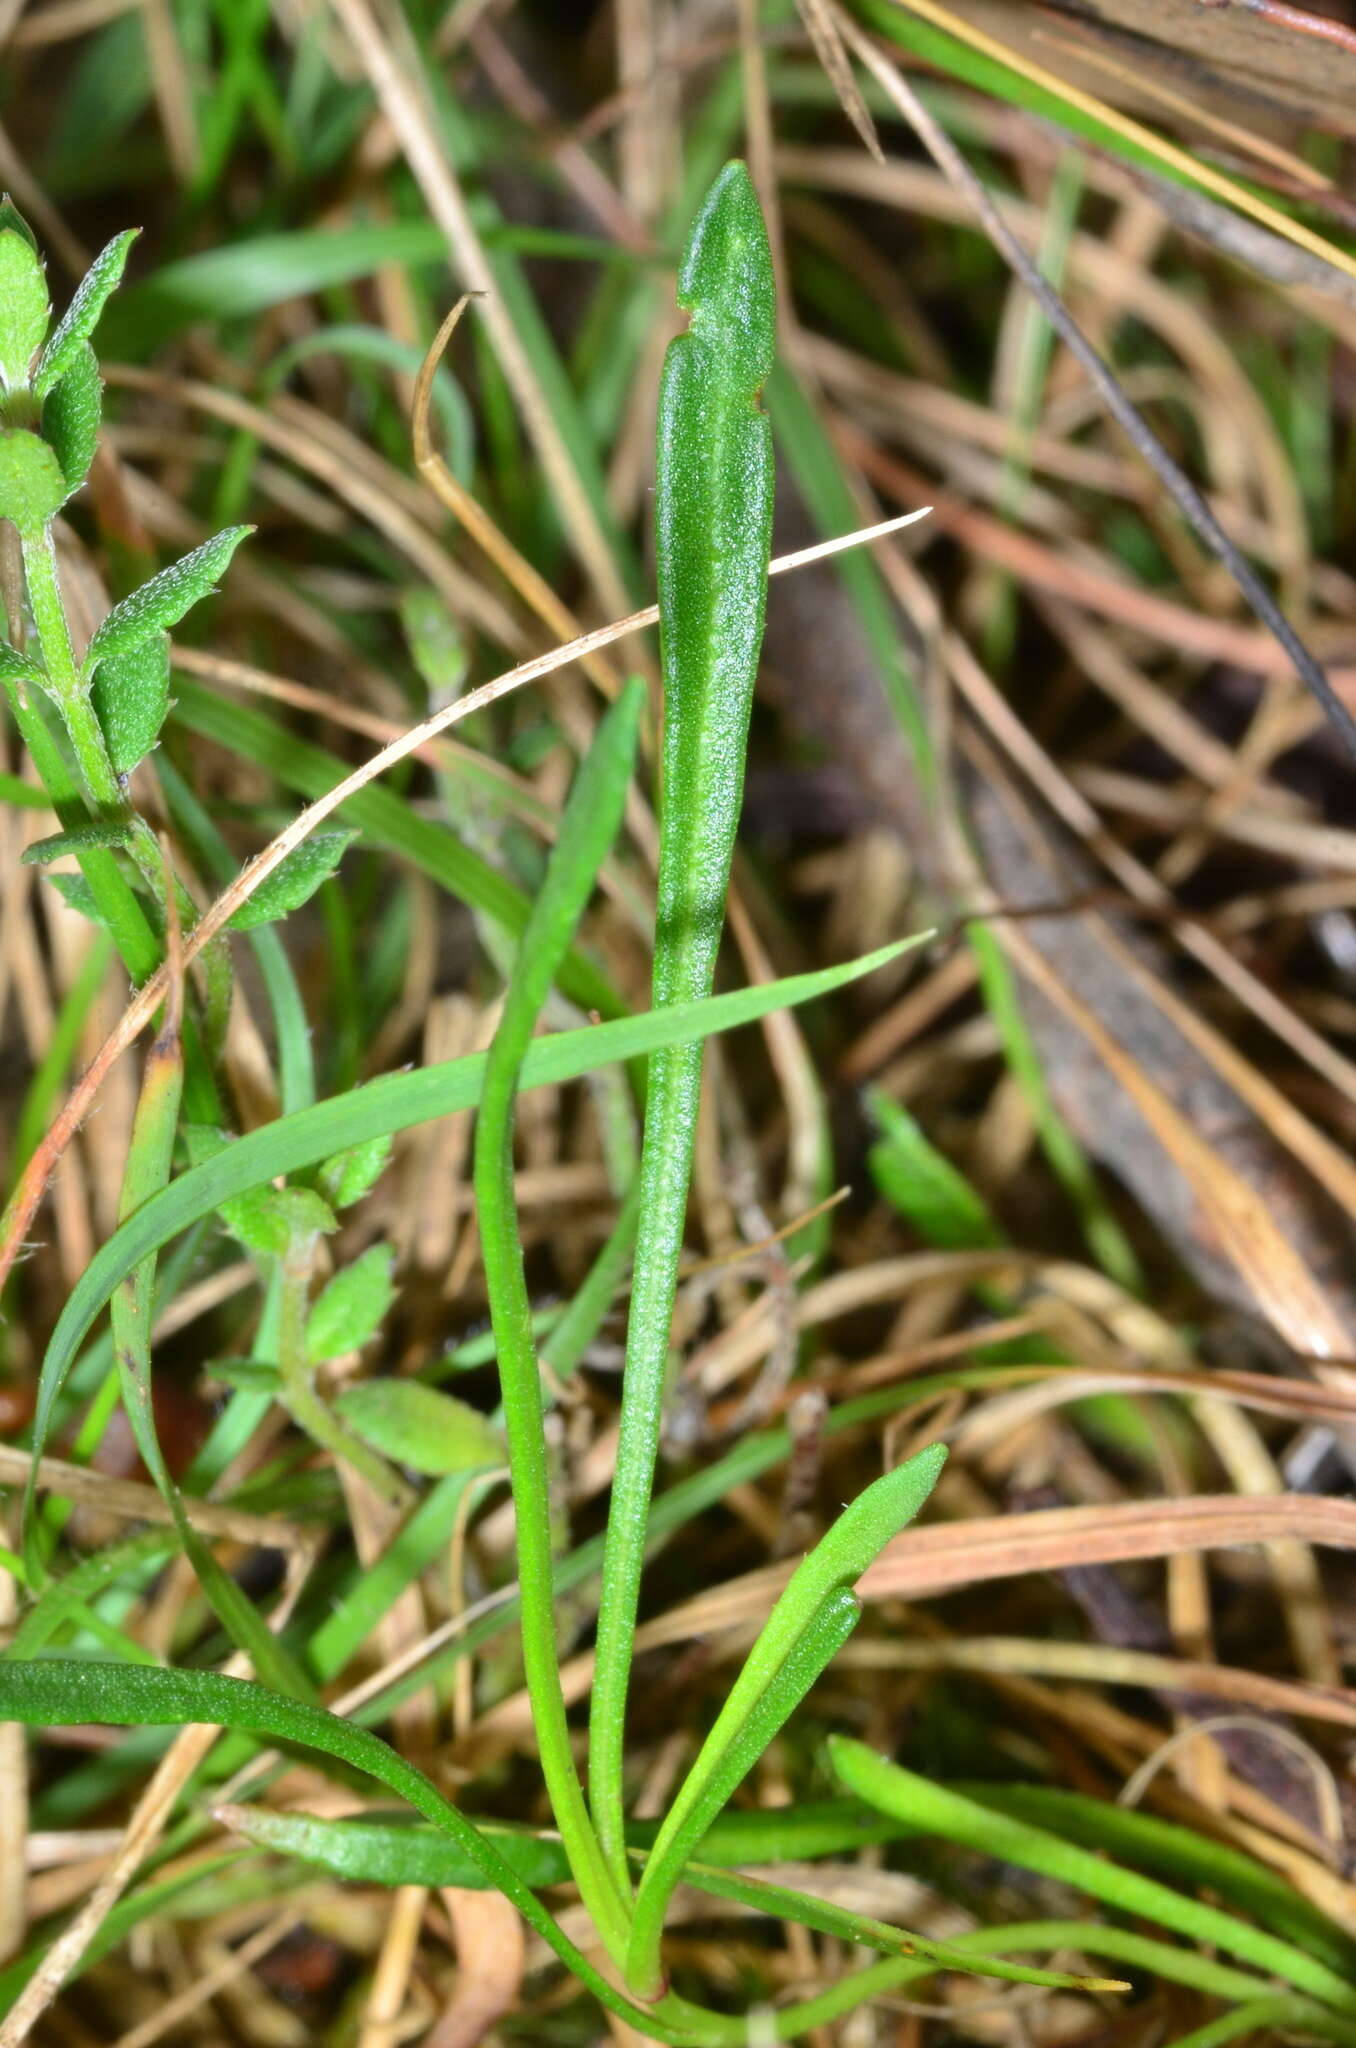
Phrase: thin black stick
(1185,496)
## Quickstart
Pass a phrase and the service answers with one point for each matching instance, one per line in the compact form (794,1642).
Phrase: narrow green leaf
(805,1658)
(1168,1848)
(394,1852)
(922,1184)
(23,796)
(71,416)
(130,694)
(294,881)
(420,1541)
(713,535)
(81,317)
(589,826)
(391,1853)
(383,1849)
(1271,2018)
(258,272)
(62,1598)
(108,832)
(148,1165)
(24,306)
(935,1810)
(783,1903)
(418,1426)
(61,1693)
(254,1375)
(162,602)
(350,1307)
(831,1569)
(394,1103)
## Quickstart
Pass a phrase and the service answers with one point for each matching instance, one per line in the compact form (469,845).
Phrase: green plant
(714,516)
(89,721)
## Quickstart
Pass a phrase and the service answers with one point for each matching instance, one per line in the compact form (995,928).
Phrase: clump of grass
(715,515)
(367,1484)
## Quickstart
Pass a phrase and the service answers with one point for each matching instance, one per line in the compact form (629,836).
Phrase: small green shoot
(714,484)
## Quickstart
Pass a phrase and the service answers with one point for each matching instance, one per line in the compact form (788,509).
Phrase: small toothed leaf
(71,415)
(13,222)
(162,602)
(24,307)
(16,667)
(75,840)
(252,1375)
(436,642)
(130,694)
(265,1218)
(294,880)
(417,1426)
(32,485)
(346,1177)
(76,893)
(81,317)
(350,1307)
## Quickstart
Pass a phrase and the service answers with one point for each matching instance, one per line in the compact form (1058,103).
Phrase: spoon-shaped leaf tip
(726,281)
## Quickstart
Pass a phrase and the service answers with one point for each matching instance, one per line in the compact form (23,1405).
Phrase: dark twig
(1179,486)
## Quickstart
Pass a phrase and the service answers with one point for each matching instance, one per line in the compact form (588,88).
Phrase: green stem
(114,900)
(524,1423)
(69,690)
(714,480)
(590,823)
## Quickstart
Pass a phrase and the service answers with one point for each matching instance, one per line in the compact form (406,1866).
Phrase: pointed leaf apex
(12,220)
(162,602)
(726,281)
(81,317)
